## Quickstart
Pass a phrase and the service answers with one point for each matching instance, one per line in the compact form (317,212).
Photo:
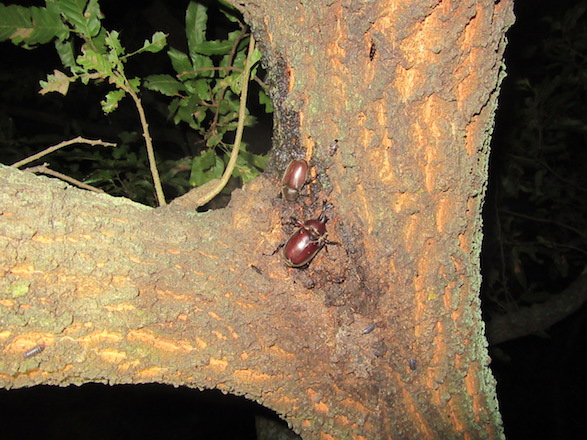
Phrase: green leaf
(200,88)
(30,26)
(157,43)
(229,11)
(256,57)
(243,168)
(164,84)
(203,66)
(257,160)
(229,104)
(93,61)
(86,20)
(174,106)
(181,63)
(66,54)
(213,47)
(93,15)
(234,81)
(265,100)
(214,139)
(135,84)
(206,167)
(191,111)
(113,43)
(112,99)
(196,18)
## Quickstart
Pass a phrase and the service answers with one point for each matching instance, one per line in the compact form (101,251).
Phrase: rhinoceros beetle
(306,242)
(294,179)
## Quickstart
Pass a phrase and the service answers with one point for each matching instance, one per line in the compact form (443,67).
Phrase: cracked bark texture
(394,102)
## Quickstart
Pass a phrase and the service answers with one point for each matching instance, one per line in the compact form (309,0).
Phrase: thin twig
(544,220)
(44,169)
(239,129)
(149,143)
(77,140)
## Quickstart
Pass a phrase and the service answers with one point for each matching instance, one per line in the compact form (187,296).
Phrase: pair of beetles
(305,243)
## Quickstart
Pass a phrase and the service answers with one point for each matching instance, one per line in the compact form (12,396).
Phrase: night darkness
(541,377)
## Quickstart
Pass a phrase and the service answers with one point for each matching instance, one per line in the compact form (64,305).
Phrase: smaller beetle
(305,243)
(294,179)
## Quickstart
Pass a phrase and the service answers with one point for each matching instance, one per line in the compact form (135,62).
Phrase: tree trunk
(381,336)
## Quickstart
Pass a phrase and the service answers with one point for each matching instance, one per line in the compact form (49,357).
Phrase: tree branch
(44,169)
(77,140)
(149,143)
(538,317)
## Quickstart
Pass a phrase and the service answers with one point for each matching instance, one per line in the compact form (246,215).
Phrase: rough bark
(394,104)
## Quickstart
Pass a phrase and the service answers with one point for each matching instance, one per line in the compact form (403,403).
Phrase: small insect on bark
(412,364)
(333,147)
(372,50)
(33,351)
(369,328)
(256,269)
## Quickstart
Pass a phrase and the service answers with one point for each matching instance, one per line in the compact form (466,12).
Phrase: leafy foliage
(536,207)
(31,26)
(203,93)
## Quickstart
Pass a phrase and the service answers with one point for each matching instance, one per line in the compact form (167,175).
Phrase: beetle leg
(275,251)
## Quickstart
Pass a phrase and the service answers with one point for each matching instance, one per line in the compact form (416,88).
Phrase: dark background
(541,377)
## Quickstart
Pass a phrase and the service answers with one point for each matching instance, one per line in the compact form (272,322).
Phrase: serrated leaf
(229,104)
(181,63)
(213,47)
(86,21)
(72,10)
(135,83)
(206,167)
(164,84)
(99,41)
(203,66)
(256,56)
(66,54)
(214,139)
(243,168)
(30,26)
(234,82)
(229,11)
(240,58)
(200,88)
(173,107)
(113,42)
(56,82)
(110,103)
(190,111)
(265,100)
(196,18)
(93,15)
(157,43)
(93,61)
(205,161)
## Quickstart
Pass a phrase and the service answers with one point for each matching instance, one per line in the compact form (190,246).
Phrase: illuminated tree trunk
(381,336)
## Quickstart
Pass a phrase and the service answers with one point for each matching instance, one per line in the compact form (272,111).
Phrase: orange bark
(393,102)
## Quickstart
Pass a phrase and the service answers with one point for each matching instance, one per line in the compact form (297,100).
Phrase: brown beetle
(305,243)
(294,179)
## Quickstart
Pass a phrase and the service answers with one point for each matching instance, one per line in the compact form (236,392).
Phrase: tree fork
(396,101)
